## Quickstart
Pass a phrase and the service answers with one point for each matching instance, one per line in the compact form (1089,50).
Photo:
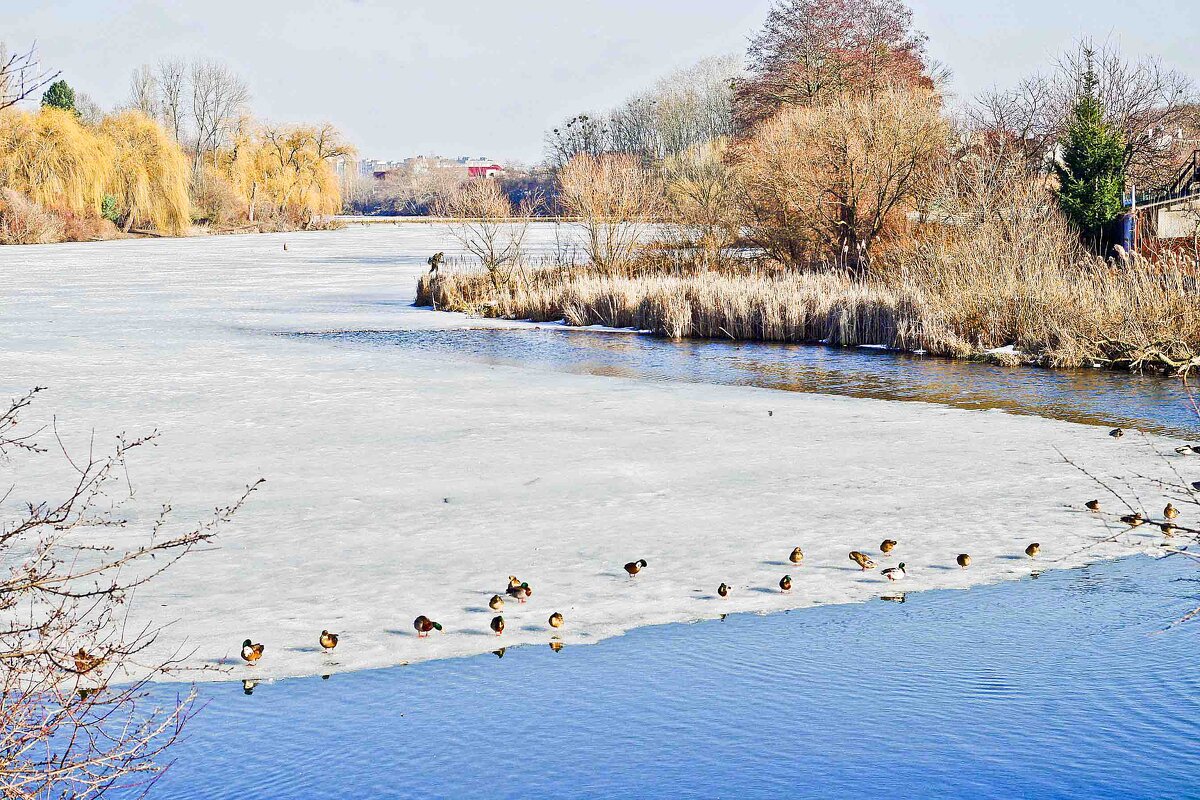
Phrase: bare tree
(144,92)
(811,51)
(21,75)
(172,77)
(830,181)
(616,199)
(485,225)
(218,99)
(74,718)
(701,195)
(1151,105)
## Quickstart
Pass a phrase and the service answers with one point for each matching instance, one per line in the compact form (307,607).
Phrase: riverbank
(1132,316)
(406,484)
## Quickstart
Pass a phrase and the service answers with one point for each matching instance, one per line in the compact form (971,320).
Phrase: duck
(85,662)
(496,603)
(963,560)
(556,620)
(522,592)
(424,625)
(328,640)
(724,589)
(785,583)
(1168,528)
(797,556)
(888,545)
(1133,520)
(497,625)
(1033,550)
(513,581)
(1170,512)
(251,652)
(894,574)
(1187,448)
(1092,505)
(634,567)
(1116,433)
(862,560)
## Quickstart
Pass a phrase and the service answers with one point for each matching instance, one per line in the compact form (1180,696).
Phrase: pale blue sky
(487,77)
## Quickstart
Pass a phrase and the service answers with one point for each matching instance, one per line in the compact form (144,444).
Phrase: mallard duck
(496,603)
(251,652)
(894,573)
(522,592)
(513,581)
(1187,448)
(785,583)
(556,620)
(1168,528)
(1033,550)
(85,663)
(556,646)
(724,589)
(1092,505)
(862,560)
(423,625)
(1116,433)
(328,640)
(497,625)
(964,560)
(887,545)
(1133,520)
(797,556)
(1170,512)
(634,567)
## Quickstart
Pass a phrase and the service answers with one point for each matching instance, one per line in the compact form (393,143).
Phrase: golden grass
(936,300)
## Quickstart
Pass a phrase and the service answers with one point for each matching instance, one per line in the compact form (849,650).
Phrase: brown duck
(724,589)
(963,561)
(797,556)
(328,640)
(862,560)
(556,620)
(887,546)
(251,652)
(497,625)
(634,567)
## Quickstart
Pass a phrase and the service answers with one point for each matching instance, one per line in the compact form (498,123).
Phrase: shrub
(24,222)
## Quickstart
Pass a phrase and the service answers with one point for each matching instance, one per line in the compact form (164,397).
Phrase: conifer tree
(1090,166)
(59,95)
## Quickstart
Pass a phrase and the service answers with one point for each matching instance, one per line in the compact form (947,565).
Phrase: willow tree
(288,171)
(54,160)
(149,175)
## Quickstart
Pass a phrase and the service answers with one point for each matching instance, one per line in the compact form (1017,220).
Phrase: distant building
(482,168)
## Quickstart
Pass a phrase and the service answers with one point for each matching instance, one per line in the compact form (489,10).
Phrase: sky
(488,77)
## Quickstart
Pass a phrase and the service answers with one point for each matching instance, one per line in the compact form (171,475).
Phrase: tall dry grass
(939,299)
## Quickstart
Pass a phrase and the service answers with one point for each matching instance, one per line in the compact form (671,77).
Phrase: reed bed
(1135,314)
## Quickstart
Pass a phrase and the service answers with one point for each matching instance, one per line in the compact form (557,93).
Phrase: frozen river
(414,480)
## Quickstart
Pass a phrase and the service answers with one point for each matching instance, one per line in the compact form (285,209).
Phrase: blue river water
(1153,403)
(1063,686)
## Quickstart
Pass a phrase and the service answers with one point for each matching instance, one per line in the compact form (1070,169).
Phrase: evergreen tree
(1091,167)
(60,95)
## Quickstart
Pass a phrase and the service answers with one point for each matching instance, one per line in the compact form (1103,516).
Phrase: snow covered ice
(402,483)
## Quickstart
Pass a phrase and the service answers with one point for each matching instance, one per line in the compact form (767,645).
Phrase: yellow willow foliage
(287,170)
(54,160)
(149,178)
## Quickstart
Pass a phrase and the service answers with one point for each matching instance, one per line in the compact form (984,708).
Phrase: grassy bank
(1086,312)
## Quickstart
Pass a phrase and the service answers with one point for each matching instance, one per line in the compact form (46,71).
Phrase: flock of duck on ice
(520,591)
